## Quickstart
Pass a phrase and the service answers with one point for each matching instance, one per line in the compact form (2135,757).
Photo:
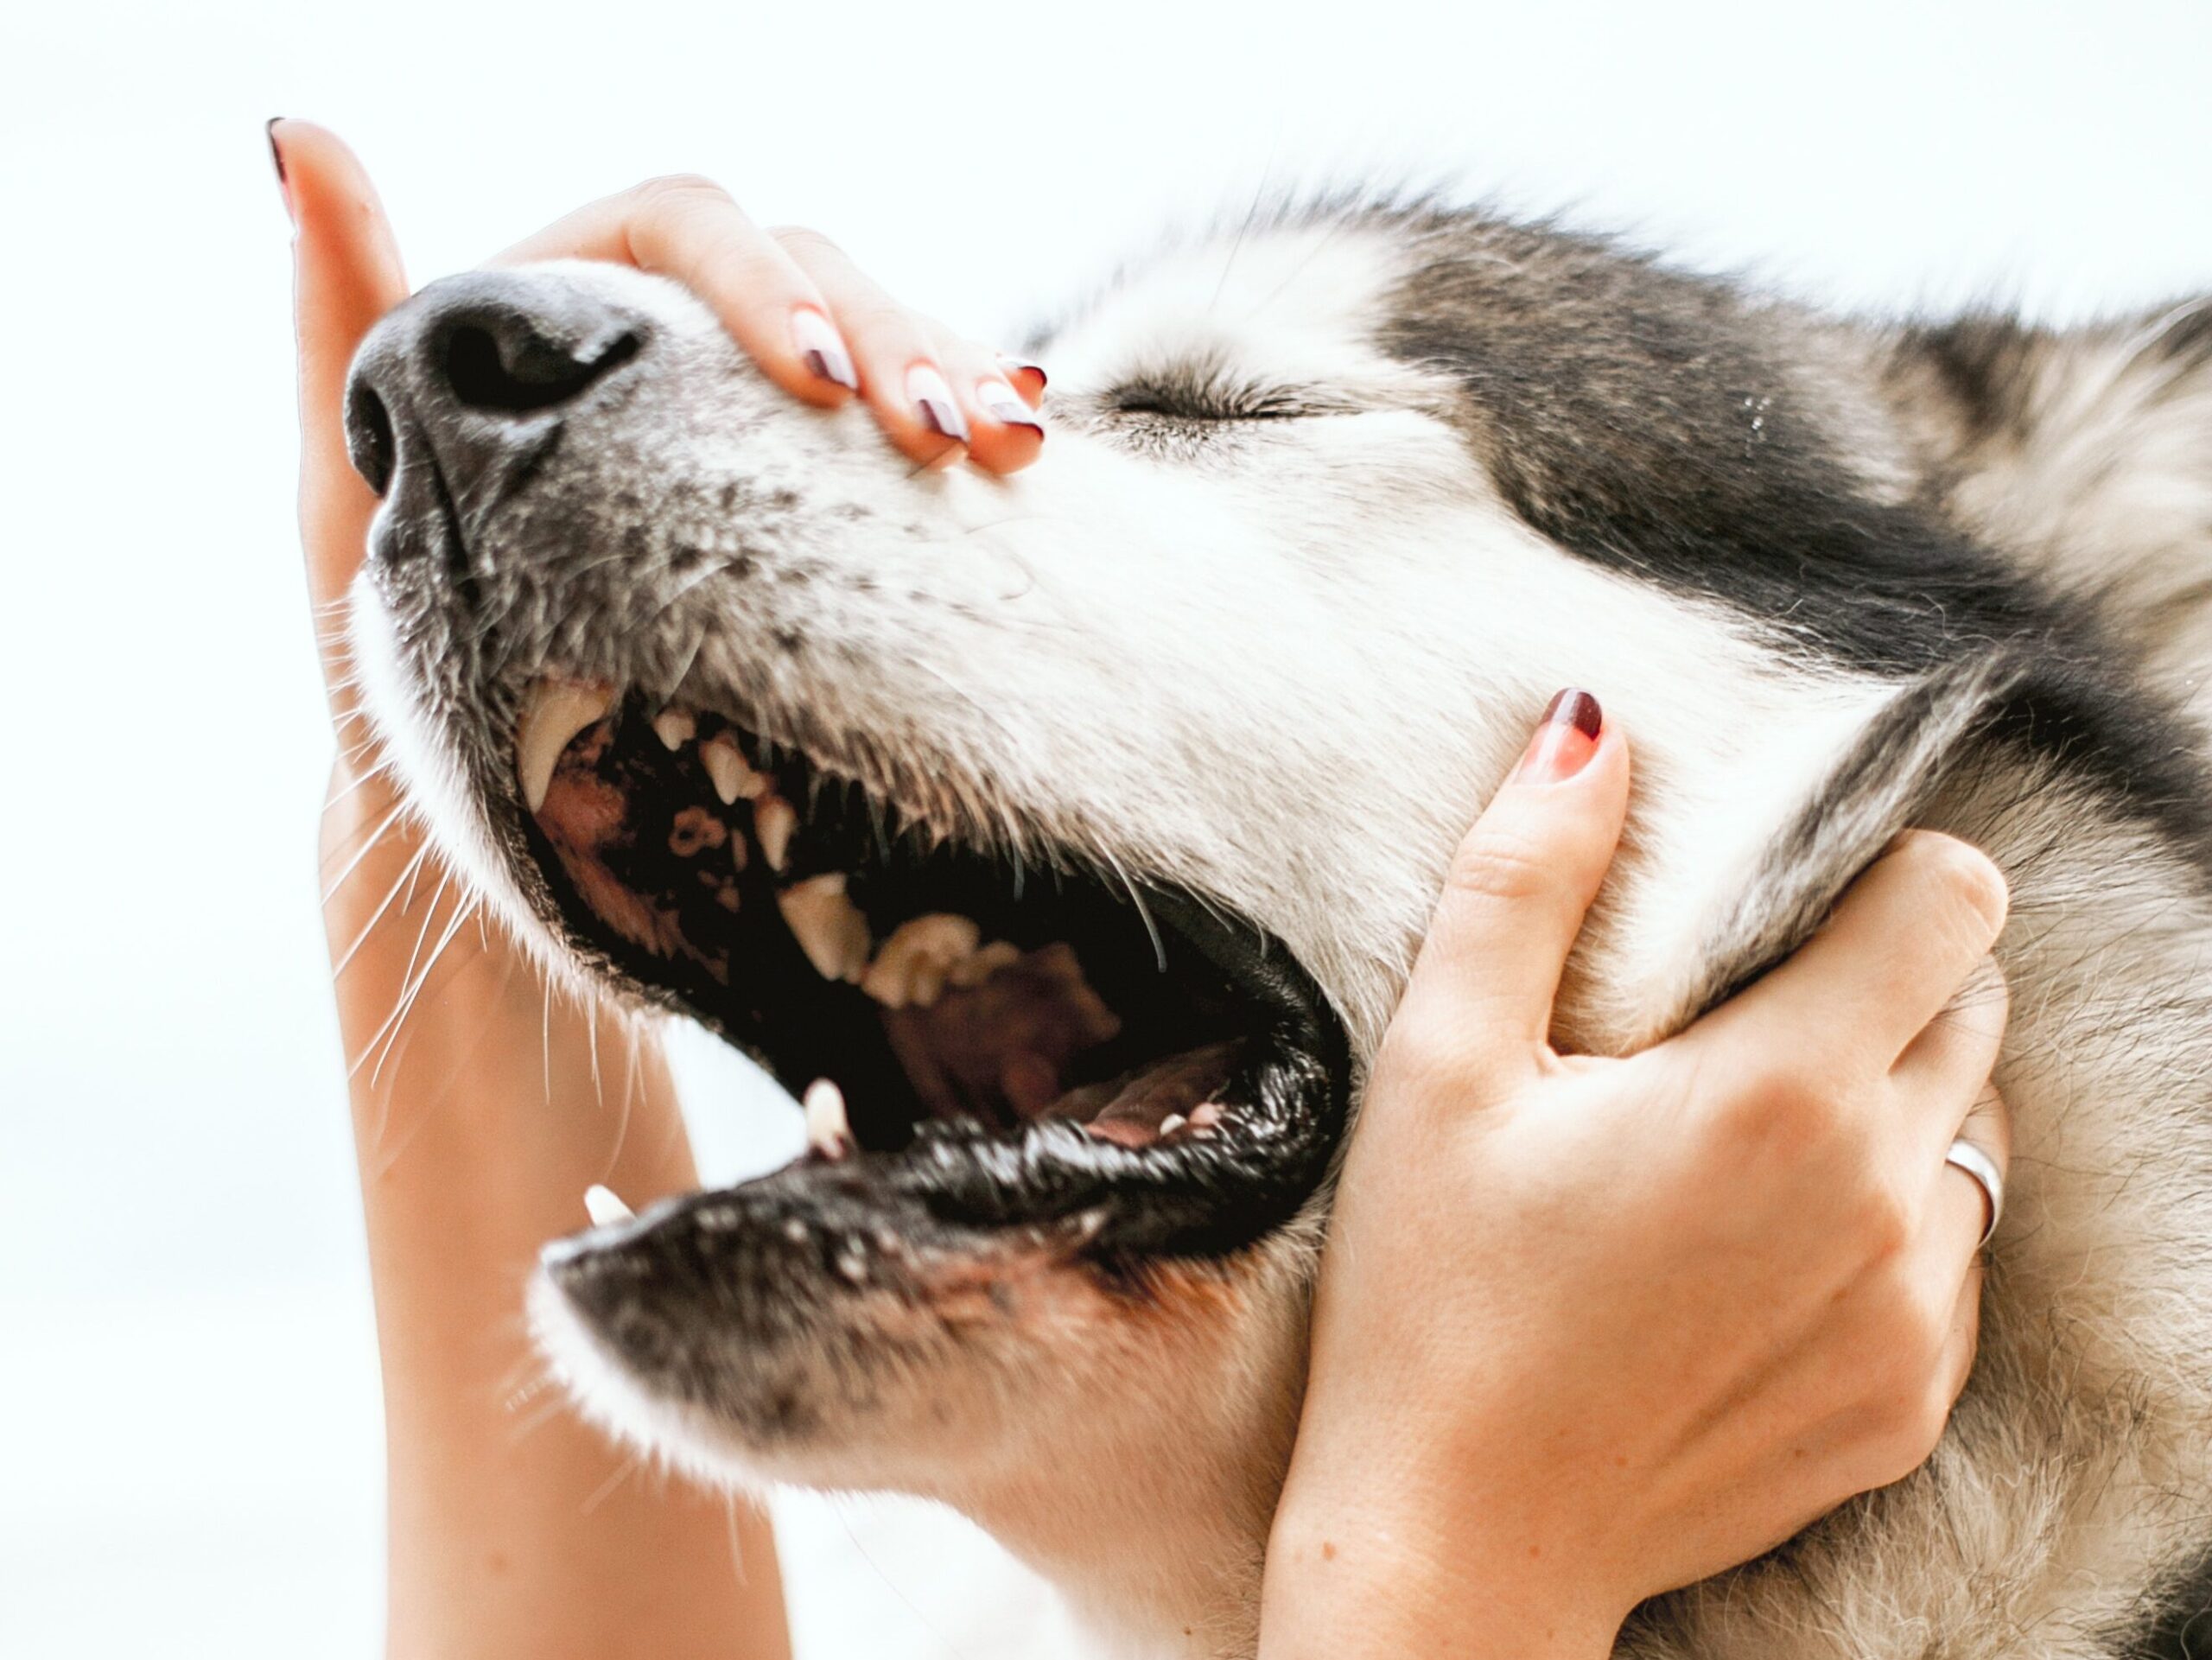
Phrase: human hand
(813,323)
(789,297)
(1591,1329)
(485,1102)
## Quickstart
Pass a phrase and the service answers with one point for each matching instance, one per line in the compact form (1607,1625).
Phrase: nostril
(369,442)
(515,369)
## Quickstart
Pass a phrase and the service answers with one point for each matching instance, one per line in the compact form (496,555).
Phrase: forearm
(479,1117)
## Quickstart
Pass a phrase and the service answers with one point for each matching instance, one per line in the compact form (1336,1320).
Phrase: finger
(1963,1340)
(896,352)
(1520,884)
(1901,942)
(1959,1209)
(689,229)
(1004,433)
(1944,1072)
(1028,377)
(346,275)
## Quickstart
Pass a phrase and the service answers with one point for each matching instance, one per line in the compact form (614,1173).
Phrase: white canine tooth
(924,983)
(827,1132)
(732,778)
(675,728)
(974,970)
(921,954)
(603,1207)
(828,926)
(774,820)
(553,712)
(1170,1124)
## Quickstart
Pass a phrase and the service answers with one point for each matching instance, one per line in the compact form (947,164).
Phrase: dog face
(1078,827)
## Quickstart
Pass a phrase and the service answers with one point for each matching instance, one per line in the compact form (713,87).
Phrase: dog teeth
(921,954)
(974,970)
(1170,1124)
(675,728)
(731,777)
(828,925)
(604,1207)
(828,1130)
(774,820)
(553,712)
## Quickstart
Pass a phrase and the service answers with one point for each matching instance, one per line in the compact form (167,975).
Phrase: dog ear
(2089,451)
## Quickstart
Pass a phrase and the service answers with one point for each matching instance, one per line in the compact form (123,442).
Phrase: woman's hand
(1589,1329)
(485,1102)
(813,324)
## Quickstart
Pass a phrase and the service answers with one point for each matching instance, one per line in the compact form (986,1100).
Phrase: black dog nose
(468,368)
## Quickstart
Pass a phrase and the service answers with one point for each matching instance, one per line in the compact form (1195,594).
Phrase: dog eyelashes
(1199,396)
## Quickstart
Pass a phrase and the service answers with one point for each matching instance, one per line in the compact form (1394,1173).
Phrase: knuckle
(676,191)
(882,328)
(1909,1428)
(1781,1103)
(1886,1228)
(803,243)
(1926,1418)
(1498,866)
(1966,879)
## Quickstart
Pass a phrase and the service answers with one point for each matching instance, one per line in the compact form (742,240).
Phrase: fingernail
(1004,405)
(823,349)
(933,405)
(1565,740)
(1019,366)
(276,155)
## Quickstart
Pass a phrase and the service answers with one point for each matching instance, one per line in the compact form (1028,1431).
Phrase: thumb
(1520,884)
(346,275)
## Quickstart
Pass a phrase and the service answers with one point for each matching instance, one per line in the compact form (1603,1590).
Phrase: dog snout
(472,375)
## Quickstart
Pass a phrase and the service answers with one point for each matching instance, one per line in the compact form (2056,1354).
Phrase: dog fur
(1331,505)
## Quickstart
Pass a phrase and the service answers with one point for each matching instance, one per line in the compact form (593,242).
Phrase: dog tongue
(1000,1049)
(1131,1109)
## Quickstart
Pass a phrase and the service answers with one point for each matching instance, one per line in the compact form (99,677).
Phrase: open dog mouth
(1004,1043)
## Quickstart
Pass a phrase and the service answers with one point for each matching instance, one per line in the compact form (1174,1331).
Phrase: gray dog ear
(2089,451)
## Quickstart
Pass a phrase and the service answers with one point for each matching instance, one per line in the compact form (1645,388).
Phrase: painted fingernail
(276,155)
(1018,368)
(933,405)
(1004,405)
(1565,740)
(823,349)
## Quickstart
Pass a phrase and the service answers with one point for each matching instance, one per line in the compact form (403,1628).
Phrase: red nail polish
(1565,740)
(276,155)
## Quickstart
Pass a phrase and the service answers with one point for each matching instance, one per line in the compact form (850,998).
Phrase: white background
(188,1451)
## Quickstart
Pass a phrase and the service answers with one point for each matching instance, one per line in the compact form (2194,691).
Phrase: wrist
(1371,1554)
(1353,1587)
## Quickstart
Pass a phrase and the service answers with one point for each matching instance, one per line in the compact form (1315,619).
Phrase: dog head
(1078,827)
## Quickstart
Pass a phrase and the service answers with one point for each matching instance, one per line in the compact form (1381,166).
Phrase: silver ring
(1965,1155)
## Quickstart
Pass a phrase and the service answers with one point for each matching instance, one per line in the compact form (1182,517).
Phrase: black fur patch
(1657,423)
(1984,363)
(1665,425)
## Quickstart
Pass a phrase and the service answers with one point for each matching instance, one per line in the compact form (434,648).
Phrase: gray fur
(1275,652)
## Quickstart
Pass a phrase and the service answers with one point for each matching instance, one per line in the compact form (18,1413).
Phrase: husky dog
(1078,827)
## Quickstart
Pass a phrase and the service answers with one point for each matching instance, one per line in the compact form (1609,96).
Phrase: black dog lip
(1286,1098)
(961,1183)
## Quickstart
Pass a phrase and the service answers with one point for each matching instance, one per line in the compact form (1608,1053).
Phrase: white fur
(1284,671)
